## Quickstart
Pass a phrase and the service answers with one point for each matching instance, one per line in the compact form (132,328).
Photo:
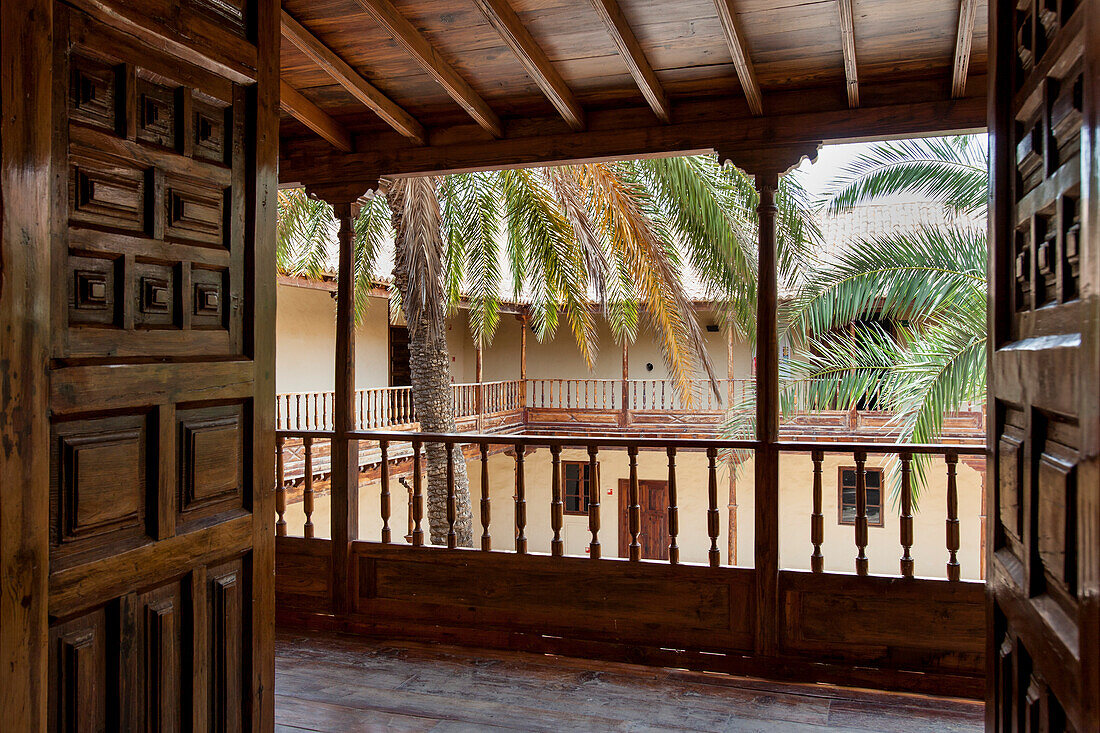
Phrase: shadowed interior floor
(329,682)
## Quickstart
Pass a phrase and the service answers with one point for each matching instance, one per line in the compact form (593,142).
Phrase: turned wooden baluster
(452,536)
(557,547)
(817,520)
(521,503)
(713,522)
(384,477)
(593,503)
(297,412)
(418,499)
(906,523)
(486,539)
(952,460)
(280,488)
(673,509)
(861,512)
(307,492)
(635,511)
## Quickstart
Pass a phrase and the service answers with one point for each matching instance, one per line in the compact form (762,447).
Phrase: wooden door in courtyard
(160,353)
(653,500)
(1043,651)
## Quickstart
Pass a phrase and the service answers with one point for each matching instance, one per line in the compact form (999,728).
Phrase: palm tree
(897,320)
(621,236)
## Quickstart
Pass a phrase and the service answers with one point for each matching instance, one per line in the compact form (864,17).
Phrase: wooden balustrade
(904,455)
(395,447)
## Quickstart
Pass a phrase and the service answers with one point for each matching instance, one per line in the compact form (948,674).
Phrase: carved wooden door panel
(161,398)
(1044,501)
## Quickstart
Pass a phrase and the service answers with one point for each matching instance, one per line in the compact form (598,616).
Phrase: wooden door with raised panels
(1044,500)
(161,359)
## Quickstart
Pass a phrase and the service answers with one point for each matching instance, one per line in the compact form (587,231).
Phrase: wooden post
(480,396)
(624,408)
(767,423)
(345,453)
(523,365)
(729,369)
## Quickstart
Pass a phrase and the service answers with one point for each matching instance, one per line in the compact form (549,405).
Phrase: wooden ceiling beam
(347,77)
(502,17)
(616,135)
(963,40)
(417,46)
(634,57)
(313,117)
(742,62)
(848,44)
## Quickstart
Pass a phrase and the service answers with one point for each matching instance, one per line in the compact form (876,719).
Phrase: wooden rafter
(963,40)
(347,77)
(848,44)
(741,60)
(313,117)
(632,54)
(502,17)
(406,34)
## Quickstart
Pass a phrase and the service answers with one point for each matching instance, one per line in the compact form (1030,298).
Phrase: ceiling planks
(634,57)
(741,59)
(351,80)
(434,64)
(848,43)
(963,41)
(502,17)
(313,117)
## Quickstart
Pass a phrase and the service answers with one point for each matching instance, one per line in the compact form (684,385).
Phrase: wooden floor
(326,682)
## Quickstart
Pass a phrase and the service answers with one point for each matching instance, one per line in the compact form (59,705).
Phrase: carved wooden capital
(343,193)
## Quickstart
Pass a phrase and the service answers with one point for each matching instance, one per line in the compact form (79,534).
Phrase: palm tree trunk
(414,207)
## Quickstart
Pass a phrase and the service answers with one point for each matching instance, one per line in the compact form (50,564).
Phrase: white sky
(815,177)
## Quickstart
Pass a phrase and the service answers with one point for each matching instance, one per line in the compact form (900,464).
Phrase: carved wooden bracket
(346,192)
(769,162)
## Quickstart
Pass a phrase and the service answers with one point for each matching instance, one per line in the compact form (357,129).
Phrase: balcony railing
(548,558)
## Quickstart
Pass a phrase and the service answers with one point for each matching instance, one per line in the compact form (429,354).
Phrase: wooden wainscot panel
(920,625)
(642,603)
(211,462)
(107,191)
(194,211)
(302,572)
(78,684)
(98,480)
(226,611)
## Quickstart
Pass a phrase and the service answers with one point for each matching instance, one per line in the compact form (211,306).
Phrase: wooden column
(624,408)
(345,453)
(767,423)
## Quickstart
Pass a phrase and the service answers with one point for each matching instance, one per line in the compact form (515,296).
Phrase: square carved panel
(98,482)
(93,296)
(211,460)
(155,295)
(195,211)
(208,299)
(210,126)
(157,114)
(93,93)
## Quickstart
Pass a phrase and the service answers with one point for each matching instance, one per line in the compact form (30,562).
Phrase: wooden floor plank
(330,682)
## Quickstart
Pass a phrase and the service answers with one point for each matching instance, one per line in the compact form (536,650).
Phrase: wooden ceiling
(408,86)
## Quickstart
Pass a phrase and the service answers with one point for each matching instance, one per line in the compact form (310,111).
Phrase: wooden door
(161,358)
(1044,500)
(653,500)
